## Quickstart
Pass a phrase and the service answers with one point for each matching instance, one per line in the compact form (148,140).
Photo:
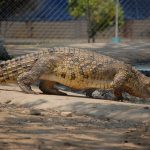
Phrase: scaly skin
(75,68)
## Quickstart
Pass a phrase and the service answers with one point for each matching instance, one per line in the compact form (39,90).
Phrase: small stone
(35,112)
(66,114)
(25,112)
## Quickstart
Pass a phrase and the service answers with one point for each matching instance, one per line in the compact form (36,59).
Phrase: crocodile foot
(24,83)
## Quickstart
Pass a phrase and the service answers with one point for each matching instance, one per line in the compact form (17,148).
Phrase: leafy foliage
(100,14)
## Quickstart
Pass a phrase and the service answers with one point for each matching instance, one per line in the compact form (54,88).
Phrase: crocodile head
(143,91)
(139,87)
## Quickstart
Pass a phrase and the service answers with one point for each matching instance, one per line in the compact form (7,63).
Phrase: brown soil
(25,129)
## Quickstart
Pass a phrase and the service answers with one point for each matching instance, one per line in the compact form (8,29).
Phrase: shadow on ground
(21,130)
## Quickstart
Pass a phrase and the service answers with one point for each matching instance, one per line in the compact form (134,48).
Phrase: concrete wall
(69,30)
(137,29)
(65,29)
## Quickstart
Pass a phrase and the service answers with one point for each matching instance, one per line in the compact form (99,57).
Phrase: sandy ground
(49,122)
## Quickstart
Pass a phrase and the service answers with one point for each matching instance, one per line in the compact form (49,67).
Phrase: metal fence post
(116,39)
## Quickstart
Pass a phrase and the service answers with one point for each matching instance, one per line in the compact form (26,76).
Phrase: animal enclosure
(69,21)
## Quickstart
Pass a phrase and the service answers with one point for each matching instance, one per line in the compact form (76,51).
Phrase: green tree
(100,14)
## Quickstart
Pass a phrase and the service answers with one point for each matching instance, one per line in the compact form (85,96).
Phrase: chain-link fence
(61,21)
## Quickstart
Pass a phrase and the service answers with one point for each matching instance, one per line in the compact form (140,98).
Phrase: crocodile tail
(7,71)
(11,69)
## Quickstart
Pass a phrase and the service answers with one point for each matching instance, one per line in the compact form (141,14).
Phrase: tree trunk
(93,39)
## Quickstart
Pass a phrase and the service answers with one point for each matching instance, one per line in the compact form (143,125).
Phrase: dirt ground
(39,122)
(25,129)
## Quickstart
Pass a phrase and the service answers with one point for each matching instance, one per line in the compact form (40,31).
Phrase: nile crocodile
(75,68)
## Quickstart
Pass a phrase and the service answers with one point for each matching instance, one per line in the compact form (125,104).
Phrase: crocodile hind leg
(118,84)
(42,66)
(47,87)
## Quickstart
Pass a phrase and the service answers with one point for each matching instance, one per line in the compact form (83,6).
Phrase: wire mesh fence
(61,21)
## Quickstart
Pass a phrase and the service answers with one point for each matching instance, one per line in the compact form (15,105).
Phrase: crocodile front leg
(42,66)
(47,87)
(25,80)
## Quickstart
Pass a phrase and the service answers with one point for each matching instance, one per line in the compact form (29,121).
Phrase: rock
(66,114)
(3,53)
